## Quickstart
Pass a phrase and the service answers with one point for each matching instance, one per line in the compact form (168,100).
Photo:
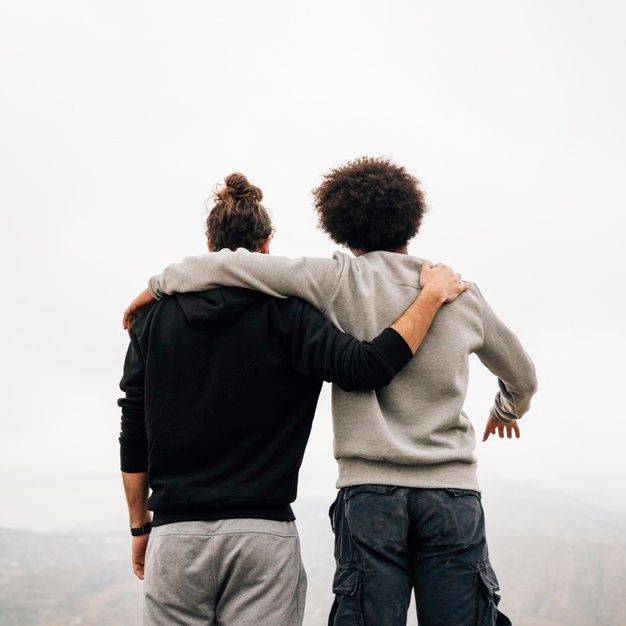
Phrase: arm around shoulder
(322,351)
(312,279)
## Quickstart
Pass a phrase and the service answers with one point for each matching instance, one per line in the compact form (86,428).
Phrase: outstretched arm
(503,354)
(312,279)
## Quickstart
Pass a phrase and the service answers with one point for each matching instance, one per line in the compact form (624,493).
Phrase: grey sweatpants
(224,573)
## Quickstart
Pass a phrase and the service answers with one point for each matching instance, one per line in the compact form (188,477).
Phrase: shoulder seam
(344,260)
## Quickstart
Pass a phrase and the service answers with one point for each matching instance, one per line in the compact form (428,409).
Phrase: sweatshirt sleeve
(325,353)
(133,439)
(312,279)
(502,353)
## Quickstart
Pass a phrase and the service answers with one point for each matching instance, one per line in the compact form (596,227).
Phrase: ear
(265,246)
(209,246)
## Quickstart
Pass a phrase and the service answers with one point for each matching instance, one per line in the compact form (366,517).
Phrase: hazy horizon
(558,563)
(118,118)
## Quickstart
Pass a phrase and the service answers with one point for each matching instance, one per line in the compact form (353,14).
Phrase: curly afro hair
(370,204)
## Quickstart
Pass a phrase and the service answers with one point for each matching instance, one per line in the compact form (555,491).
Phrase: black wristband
(141,530)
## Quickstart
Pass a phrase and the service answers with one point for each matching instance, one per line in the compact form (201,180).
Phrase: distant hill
(66,580)
(560,561)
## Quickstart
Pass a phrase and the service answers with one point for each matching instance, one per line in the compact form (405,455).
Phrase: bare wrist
(433,295)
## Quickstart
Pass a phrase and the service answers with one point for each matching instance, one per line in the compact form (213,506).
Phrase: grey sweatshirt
(414,432)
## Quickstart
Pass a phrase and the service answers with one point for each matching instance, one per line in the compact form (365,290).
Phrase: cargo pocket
(346,609)
(489,598)
(331,512)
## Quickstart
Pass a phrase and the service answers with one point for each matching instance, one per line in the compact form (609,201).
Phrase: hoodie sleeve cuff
(393,349)
(134,458)
(153,287)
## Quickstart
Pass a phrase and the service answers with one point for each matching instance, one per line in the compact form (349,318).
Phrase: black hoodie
(220,392)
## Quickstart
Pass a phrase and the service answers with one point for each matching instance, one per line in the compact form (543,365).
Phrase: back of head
(370,204)
(238,219)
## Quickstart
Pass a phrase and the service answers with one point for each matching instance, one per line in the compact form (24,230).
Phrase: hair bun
(238,187)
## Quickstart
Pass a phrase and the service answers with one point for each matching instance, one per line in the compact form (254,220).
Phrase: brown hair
(370,204)
(238,219)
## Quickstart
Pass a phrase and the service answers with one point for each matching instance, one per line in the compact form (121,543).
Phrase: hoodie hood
(207,308)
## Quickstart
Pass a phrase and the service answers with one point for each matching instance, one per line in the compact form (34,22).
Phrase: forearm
(312,279)
(320,350)
(136,490)
(503,354)
(133,440)
(513,399)
(414,323)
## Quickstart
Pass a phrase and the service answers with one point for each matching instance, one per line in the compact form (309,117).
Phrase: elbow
(530,384)
(382,382)
(366,384)
(348,385)
(367,375)
(525,392)
(526,383)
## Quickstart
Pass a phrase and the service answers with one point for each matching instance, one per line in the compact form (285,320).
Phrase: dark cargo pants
(389,540)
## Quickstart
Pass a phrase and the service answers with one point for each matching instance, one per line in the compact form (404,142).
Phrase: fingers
(442,280)
(463,285)
(129,315)
(138,569)
(145,298)
(511,429)
(490,429)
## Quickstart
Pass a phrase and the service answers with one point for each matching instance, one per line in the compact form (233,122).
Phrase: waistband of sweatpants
(233,526)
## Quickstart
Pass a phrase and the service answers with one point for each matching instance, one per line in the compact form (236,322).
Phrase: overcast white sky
(117,118)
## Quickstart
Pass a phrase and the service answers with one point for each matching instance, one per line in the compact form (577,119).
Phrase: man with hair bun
(220,389)
(408,514)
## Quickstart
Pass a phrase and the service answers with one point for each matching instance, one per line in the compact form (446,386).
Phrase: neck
(399,250)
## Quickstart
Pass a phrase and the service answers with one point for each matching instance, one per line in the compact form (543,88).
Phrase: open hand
(143,299)
(493,425)
(442,280)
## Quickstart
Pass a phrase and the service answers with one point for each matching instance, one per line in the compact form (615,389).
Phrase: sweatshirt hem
(275,513)
(456,475)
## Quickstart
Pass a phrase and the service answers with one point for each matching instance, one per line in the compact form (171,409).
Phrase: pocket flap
(346,580)
(488,576)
